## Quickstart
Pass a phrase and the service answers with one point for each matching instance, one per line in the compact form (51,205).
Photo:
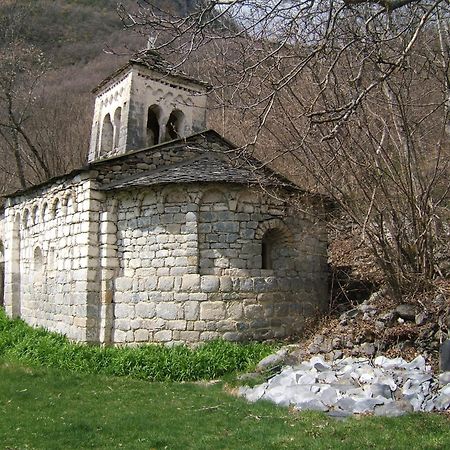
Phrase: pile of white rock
(383,386)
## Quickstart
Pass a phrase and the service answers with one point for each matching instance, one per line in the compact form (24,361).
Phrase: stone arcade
(166,235)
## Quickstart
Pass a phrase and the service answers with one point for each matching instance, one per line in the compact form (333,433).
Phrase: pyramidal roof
(153,61)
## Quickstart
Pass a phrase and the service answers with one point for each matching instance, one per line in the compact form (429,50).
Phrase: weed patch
(40,348)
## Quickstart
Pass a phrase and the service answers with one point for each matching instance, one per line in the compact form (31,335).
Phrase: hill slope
(82,41)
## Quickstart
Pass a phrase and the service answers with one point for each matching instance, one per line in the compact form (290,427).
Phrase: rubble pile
(346,386)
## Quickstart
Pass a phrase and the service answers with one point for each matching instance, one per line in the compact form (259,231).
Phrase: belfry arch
(106,143)
(153,129)
(174,126)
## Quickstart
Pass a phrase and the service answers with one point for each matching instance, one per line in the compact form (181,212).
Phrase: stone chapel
(167,234)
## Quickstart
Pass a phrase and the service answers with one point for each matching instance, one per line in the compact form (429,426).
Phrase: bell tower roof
(153,61)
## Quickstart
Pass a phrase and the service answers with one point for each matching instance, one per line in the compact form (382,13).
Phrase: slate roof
(204,168)
(154,61)
(215,160)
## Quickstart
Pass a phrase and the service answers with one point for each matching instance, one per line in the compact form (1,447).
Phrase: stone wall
(175,263)
(51,257)
(190,265)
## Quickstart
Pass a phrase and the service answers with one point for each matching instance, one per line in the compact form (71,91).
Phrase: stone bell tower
(145,103)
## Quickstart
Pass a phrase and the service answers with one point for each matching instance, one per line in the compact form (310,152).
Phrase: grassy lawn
(49,409)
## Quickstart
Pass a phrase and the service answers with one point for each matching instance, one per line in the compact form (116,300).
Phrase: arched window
(174,125)
(275,250)
(153,129)
(267,244)
(117,123)
(106,142)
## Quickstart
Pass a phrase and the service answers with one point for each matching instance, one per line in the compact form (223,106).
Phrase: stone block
(124,284)
(153,324)
(226,325)
(166,283)
(163,271)
(124,311)
(119,336)
(190,282)
(108,228)
(191,217)
(226,284)
(191,310)
(246,285)
(163,336)
(235,310)
(141,335)
(212,311)
(254,312)
(145,310)
(168,311)
(232,336)
(199,325)
(189,336)
(176,325)
(209,335)
(210,283)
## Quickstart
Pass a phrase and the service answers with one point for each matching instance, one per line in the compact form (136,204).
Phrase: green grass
(49,409)
(37,347)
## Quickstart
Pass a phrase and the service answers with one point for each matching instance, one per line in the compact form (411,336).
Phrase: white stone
(212,311)
(169,311)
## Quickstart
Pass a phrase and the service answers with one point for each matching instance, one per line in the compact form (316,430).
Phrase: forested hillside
(52,53)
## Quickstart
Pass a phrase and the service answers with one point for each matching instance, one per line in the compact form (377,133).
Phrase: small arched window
(153,128)
(56,208)
(51,259)
(26,218)
(38,262)
(35,214)
(117,124)
(174,125)
(106,142)
(44,212)
(69,204)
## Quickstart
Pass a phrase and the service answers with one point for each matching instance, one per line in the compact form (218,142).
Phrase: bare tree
(21,70)
(354,94)
(43,131)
